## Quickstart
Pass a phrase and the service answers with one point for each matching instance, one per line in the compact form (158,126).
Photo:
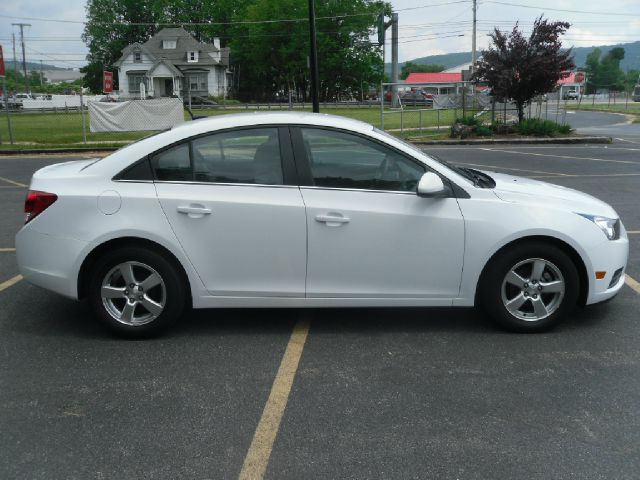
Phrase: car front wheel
(136,292)
(530,287)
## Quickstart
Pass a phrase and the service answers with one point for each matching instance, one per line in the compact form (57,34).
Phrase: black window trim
(287,161)
(304,166)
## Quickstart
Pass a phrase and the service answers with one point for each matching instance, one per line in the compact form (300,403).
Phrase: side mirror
(430,185)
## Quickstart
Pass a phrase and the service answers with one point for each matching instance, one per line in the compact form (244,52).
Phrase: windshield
(464,172)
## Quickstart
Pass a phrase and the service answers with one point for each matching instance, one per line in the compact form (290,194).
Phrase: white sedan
(310,210)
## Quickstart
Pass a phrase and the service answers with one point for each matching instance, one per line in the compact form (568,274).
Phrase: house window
(198,82)
(135,81)
(192,56)
(137,56)
(168,44)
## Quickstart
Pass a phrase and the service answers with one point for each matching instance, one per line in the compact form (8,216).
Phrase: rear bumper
(49,261)
(609,257)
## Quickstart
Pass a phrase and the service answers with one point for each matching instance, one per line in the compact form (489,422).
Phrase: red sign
(1,63)
(107,82)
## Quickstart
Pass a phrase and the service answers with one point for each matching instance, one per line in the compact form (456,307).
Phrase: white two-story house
(173,63)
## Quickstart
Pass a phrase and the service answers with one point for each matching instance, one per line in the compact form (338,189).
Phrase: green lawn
(39,130)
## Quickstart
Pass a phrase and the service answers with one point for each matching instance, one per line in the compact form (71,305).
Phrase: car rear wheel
(136,292)
(530,287)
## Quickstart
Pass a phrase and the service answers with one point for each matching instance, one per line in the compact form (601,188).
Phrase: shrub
(541,128)
(564,129)
(483,131)
(469,121)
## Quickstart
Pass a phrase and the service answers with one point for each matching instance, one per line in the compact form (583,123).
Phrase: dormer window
(137,56)
(192,56)
(169,44)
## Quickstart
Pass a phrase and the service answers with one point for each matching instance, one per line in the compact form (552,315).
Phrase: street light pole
(24,58)
(313,56)
(473,40)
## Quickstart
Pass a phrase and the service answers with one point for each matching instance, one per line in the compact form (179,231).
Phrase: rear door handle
(332,219)
(194,210)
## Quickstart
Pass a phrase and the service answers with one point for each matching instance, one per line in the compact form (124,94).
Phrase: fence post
(401,120)
(84,128)
(493,111)
(420,113)
(438,110)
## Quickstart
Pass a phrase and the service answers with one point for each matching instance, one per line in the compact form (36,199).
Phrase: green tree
(410,67)
(518,68)
(605,72)
(271,58)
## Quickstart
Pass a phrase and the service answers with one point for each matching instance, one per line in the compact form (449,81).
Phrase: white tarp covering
(155,114)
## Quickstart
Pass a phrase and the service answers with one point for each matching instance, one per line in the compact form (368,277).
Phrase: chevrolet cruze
(309,210)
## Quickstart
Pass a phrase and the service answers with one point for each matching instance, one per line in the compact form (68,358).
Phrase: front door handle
(194,210)
(332,219)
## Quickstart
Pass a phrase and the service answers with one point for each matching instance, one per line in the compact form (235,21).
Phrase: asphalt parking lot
(354,393)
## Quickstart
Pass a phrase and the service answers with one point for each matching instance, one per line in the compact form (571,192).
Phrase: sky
(426,27)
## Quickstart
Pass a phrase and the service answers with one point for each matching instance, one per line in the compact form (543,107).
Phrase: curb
(514,141)
(57,150)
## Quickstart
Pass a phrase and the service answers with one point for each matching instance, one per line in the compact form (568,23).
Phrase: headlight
(609,226)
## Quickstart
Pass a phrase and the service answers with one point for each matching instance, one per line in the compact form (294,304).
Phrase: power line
(241,22)
(589,12)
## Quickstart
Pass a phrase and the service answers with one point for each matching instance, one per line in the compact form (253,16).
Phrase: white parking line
(566,157)
(257,459)
(17,184)
(633,232)
(7,249)
(595,175)
(509,168)
(12,281)
(632,283)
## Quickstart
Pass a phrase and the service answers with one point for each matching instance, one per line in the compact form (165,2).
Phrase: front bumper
(49,261)
(609,257)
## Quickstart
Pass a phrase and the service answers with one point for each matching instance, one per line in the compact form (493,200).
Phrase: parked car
(417,97)
(200,102)
(571,95)
(305,210)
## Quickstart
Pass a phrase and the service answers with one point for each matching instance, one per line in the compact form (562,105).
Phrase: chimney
(216,43)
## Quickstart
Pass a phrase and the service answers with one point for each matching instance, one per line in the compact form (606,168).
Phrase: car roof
(218,122)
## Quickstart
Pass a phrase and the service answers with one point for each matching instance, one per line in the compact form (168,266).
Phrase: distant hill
(631,60)
(31,65)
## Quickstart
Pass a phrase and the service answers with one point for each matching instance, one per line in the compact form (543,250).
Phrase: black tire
(140,315)
(495,291)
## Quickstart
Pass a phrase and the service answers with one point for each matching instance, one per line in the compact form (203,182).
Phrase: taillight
(36,203)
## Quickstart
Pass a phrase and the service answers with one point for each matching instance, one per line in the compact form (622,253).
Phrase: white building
(173,63)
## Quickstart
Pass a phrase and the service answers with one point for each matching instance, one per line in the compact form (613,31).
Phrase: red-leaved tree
(518,69)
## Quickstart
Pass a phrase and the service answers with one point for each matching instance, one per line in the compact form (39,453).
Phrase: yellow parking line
(257,459)
(633,232)
(632,283)
(7,249)
(12,281)
(17,184)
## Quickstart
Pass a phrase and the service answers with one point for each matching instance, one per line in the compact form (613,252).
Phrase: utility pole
(314,56)
(473,38)
(394,59)
(41,75)
(15,62)
(24,58)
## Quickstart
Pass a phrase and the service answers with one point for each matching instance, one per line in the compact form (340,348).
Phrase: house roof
(177,56)
(571,78)
(184,43)
(439,77)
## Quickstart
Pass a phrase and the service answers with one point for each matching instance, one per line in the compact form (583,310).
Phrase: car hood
(529,191)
